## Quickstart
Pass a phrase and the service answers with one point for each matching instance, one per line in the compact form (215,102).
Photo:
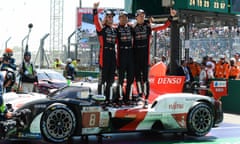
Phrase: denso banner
(167,84)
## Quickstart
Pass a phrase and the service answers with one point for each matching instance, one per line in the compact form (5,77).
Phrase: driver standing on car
(142,32)
(28,73)
(125,59)
(107,54)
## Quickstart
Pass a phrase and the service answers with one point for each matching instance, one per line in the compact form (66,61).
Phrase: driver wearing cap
(107,35)
(125,58)
(142,32)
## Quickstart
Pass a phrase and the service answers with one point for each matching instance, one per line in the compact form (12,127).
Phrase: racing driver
(125,58)
(142,31)
(107,56)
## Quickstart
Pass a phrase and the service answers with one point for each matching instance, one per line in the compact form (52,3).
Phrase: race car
(75,111)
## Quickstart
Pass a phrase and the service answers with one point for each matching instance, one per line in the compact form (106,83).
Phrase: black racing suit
(125,60)
(107,56)
(141,45)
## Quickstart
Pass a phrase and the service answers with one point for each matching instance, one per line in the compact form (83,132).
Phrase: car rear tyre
(200,119)
(57,123)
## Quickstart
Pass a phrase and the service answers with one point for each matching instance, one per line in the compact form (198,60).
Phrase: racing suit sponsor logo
(110,35)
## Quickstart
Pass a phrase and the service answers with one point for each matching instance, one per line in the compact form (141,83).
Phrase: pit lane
(225,133)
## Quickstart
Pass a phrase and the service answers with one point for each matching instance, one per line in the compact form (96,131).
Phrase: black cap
(109,12)
(139,11)
(27,53)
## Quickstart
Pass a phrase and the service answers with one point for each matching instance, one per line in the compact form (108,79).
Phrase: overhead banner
(86,14)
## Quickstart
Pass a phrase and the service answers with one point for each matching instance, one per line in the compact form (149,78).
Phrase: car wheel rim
(202,120)
(59,123)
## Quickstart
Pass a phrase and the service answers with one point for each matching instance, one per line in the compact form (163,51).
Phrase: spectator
(28,73)
(8,65)
(164,60)
(206,73)
(195,68)
(184,70)
(233,69)
(57,64)
(76,63)
(222,68)
(8,61)
(69,70)
(237,58)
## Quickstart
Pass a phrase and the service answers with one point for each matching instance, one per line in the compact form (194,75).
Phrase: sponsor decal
(40,106)
(175,106)
(219,84)
(30,135)
(169,80)
(219,89)
(167,84)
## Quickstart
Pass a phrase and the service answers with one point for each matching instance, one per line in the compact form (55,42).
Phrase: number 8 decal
(90,119)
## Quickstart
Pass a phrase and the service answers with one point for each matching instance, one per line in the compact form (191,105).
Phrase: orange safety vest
(233,71)
(195,69)
(222,70)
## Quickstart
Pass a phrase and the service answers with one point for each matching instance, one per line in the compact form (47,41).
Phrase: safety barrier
(231,102)
(93,74)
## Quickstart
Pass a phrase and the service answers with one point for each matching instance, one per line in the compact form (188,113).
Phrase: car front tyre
(200,119)
(57,123)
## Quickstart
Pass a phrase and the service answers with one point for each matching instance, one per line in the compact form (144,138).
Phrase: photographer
(8,65)
(8,61)
(28,73)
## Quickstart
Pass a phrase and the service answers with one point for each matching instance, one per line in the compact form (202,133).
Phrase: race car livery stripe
(137,116)
(181,119)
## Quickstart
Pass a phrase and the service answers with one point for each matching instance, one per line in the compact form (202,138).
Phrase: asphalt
(231,118)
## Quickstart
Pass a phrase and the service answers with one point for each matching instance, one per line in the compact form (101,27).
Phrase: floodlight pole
(7,42)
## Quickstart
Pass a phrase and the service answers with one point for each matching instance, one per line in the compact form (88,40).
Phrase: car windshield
(50,76)
(71,92)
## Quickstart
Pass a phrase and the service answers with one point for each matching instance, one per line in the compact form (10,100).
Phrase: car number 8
(92,120)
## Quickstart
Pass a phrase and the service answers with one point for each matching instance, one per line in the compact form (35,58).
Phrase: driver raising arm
(107,56)
(142,32)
